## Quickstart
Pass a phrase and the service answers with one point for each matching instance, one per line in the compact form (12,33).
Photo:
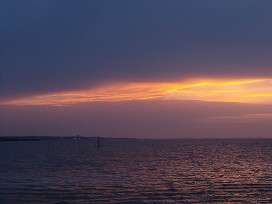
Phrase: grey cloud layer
(61,45)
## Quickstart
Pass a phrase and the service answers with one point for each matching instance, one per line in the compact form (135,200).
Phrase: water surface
(136,171)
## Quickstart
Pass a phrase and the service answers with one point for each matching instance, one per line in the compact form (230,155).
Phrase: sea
(136,171)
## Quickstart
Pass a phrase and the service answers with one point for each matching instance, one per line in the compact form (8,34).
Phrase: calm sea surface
(136,171)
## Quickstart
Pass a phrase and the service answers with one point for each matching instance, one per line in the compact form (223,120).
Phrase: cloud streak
(243,91)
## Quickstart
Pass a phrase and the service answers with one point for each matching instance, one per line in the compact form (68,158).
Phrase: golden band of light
(243,91)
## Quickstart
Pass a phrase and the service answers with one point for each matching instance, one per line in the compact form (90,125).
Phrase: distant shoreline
(17,139)
(41,138)
(35,138)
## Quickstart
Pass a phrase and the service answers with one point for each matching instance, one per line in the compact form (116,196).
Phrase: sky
(145,69)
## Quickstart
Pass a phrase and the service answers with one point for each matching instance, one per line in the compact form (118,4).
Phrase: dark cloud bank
(61,45)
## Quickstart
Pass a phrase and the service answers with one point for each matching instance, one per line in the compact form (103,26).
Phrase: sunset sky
(145,69)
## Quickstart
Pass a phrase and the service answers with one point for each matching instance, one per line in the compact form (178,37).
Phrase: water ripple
(137,171)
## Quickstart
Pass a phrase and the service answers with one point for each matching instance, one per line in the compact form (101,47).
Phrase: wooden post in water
(98,142)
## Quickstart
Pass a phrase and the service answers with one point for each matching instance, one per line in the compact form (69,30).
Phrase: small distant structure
(77,137)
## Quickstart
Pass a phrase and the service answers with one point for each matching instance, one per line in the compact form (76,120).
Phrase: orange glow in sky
(257,91)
